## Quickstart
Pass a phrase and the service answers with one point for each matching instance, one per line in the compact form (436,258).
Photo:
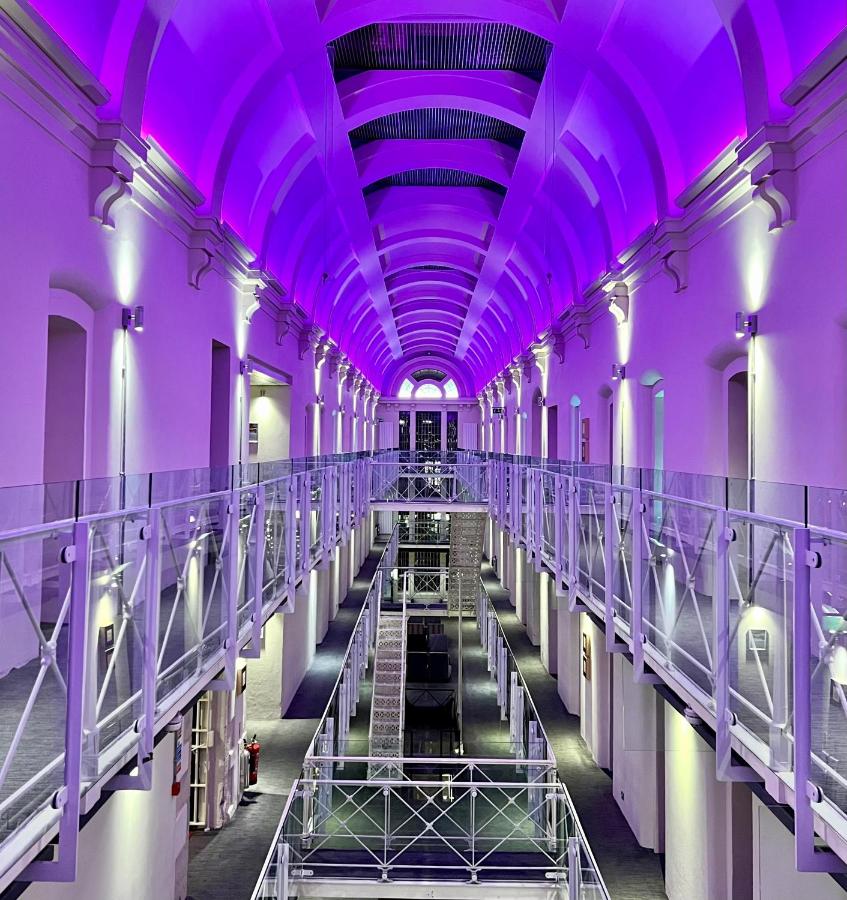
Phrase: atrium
(422,462)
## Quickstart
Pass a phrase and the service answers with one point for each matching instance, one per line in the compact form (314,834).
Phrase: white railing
(743,611)
(377,817)
(113,619)
(457,820)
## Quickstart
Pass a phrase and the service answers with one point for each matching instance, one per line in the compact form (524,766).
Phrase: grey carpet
(225,865)
(630,871)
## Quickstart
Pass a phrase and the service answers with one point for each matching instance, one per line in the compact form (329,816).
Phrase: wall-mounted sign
(586,656)
(253,434)
(497,410)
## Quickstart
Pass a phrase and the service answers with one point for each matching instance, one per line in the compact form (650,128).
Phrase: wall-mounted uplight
(746,325)
(618,372)
(246,366)
(132,318)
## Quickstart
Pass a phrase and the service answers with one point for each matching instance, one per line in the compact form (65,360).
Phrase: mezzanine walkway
(630,871)
(224,865)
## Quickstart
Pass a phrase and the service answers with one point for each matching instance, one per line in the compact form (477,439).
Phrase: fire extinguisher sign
(177,775)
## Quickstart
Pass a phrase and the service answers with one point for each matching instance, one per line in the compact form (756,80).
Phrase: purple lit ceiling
(460,170)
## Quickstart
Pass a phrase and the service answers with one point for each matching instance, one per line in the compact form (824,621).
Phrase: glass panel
(118,601)
(591,518)
(621,574)
(194,547)
(34,607)
(248,531)
(829,669)
(679,579)
(761,588)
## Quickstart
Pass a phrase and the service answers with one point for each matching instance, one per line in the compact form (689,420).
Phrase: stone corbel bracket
(309,339)
(261,291)
(526,363)
(115,156)
(582,326)
(557,341)
(290,319)
(769,158)
(204,244)
(671,245)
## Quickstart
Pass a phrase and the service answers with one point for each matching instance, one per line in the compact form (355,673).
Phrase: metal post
(227,682)
(574,869)
(254,649)
(574,603)
(610,557)
(639,639)
(725,719)
(305,522)
(291,536)
(67,798)
(558,533)
(143,779)
(808,857)
(281,882)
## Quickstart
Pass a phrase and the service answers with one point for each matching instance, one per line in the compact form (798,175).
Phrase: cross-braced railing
(711,597)
(112,620)
(480,821)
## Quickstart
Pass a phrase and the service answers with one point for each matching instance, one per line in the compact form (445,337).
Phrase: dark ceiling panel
(437,124)
(436,178)
(439,45)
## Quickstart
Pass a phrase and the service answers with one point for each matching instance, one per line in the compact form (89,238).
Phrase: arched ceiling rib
(444,175)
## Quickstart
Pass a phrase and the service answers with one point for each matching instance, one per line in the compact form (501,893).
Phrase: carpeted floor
(225,865)
(630,871)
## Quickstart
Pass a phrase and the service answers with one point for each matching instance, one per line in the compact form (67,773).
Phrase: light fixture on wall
(132,318)
(618,372)
(746,325)
(246,366)
(321,400)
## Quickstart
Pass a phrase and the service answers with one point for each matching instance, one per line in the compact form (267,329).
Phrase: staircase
(389,695)
(467,532)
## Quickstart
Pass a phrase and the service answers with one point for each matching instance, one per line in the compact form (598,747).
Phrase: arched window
(450,389)
(406,389)
(428,391)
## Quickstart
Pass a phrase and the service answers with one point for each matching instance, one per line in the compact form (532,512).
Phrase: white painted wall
(637,755)
(264,675)
(270,409)
(595,695)
(548,624)
(129,849)
(569,665)
(774,875)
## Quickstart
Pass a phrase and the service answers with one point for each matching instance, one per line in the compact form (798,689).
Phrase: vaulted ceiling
(435,181)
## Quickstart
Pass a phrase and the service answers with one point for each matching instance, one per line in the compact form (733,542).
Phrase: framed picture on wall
(586,657)
(758,642)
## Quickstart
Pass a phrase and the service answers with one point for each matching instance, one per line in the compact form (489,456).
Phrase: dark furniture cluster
(427,656)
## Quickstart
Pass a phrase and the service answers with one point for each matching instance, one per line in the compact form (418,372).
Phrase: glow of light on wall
(125,263)
(313,617)
(240,325)
(756,250)
(623,336)
(120,346)
(106,608)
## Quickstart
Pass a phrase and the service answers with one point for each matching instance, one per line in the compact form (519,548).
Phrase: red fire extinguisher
(253,749)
